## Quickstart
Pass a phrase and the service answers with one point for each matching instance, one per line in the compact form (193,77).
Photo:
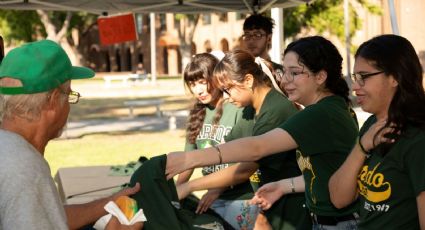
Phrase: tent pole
(393,17)
(153,47)
(277,38)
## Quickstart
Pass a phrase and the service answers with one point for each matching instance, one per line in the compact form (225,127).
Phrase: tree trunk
(186,31)
(58,35)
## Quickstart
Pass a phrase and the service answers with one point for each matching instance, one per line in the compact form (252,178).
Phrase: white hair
(27,106)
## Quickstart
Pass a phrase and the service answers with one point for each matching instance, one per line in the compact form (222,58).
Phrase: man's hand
(126,192)
(114,224)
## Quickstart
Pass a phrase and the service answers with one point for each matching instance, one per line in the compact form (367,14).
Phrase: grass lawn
(111,149)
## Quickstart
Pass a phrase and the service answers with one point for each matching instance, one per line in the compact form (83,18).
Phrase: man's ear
(248,81)
(53,99)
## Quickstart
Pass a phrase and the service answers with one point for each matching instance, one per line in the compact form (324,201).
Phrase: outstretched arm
(79,215)
(269,193)
(229,176)
(246,149)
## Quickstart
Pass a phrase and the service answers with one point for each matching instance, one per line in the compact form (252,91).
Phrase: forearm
(420,200)
(184,176)
(232,175)
(343,183)
(79,215)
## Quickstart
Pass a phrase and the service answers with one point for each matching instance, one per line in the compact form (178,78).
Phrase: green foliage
(324,15)
(18,26)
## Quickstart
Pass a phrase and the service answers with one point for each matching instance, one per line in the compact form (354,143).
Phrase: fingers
(203,206)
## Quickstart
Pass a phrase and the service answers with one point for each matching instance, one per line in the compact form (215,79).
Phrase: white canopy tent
(111,7)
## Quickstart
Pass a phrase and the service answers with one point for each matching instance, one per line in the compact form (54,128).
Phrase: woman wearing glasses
(386,167)
(250,83)
(323,133)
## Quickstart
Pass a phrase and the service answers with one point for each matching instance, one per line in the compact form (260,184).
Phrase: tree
(186,30)
(325,15)
(26,26)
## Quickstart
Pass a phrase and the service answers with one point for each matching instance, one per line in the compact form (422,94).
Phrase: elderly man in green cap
(35,98)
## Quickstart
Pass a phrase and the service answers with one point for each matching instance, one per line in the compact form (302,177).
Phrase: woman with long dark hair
(210,120)
(386,167)
(323,133)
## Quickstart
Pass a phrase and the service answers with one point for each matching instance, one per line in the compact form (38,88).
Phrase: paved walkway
(97,89)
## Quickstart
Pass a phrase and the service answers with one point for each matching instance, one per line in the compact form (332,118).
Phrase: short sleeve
(414,164)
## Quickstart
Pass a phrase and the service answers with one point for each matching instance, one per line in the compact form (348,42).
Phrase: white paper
(114,210)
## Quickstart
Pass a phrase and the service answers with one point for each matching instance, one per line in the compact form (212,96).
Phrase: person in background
(385,169)
(210,120)
(248,83)
(323,133)
(257,37)
(35,98)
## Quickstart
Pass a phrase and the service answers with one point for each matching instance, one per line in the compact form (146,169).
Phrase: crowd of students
(279,145)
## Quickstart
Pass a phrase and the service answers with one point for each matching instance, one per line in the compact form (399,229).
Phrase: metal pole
(277,38)
(393,17)
(347,41)
(153,48)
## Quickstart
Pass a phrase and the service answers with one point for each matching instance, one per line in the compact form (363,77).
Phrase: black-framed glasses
(226,90)
(360,77)
(288,76)
(254,36)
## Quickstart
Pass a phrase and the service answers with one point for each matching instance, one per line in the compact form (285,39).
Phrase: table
(78,185)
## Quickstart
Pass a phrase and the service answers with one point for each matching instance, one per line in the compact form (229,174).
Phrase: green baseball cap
(40,66)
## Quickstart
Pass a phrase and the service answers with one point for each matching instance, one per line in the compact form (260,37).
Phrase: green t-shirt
(211,136)
(159,201)
(390,182)
(325,133)
(287,211)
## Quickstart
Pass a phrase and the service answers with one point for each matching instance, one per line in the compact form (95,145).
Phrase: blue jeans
(238,213)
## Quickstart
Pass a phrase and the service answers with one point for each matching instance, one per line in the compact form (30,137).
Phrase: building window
(240,16)
(206,19)
(222,17)
(224,45)
(162,22)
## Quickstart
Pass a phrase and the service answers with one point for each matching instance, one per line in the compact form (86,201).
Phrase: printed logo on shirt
(216,135)
(255,177)
(372,185)
(305,166)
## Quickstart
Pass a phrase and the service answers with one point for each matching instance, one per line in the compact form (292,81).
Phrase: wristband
(219,154)
(292,185)
(366,153)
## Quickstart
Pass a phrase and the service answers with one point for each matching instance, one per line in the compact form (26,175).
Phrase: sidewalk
(139,90)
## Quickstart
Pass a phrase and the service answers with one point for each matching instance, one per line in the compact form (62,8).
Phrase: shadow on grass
(113,108)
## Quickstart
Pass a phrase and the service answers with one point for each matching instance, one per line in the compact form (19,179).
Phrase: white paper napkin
(114,210)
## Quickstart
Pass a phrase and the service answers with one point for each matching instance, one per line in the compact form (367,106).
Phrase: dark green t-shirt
(287,211)
(158,199)
(390,182)
(325,133)
(211,136)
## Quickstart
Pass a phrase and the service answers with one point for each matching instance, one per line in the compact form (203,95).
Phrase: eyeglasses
(73,97)
(289,76)
(226,90)
(360,77)
(254,36)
